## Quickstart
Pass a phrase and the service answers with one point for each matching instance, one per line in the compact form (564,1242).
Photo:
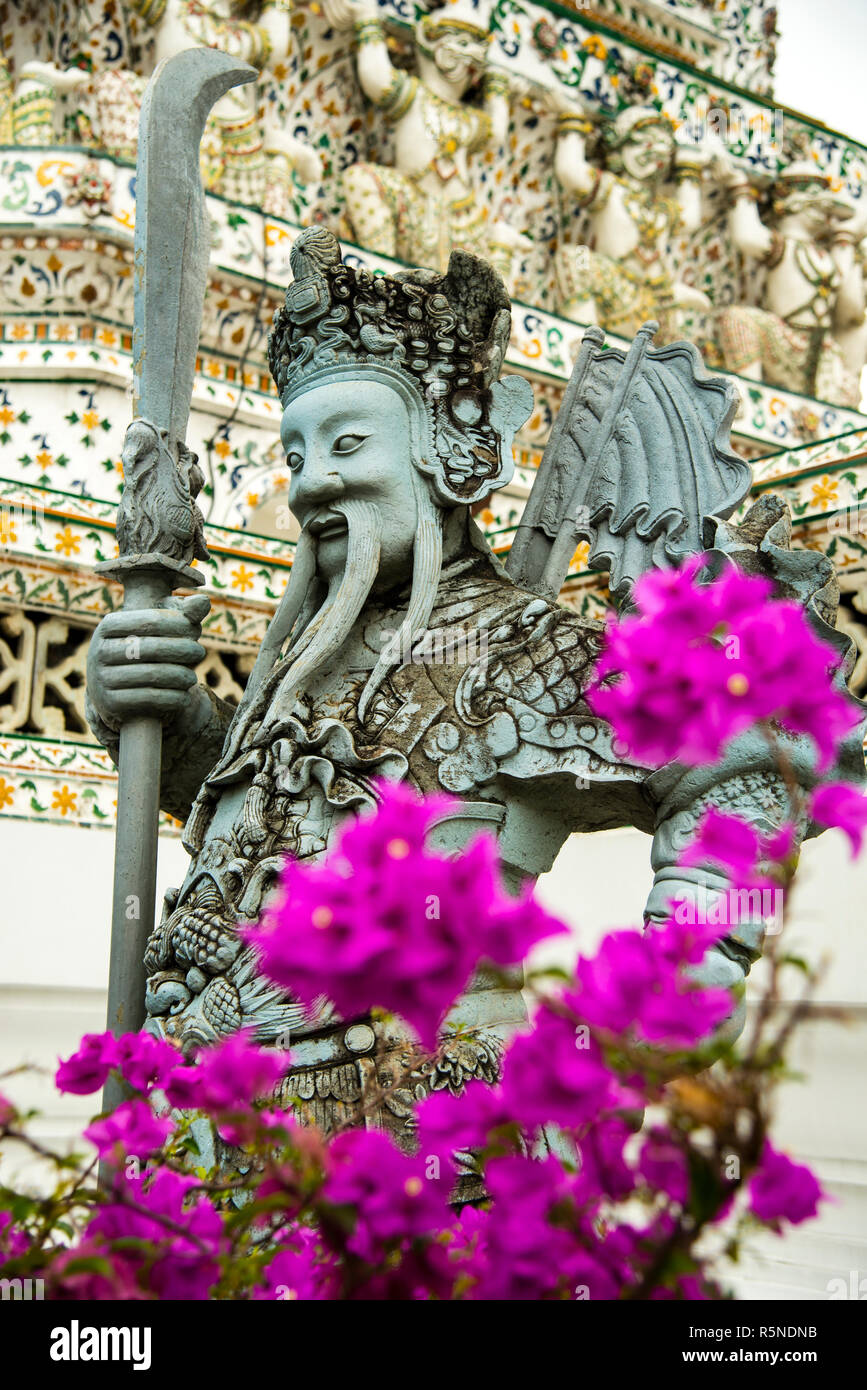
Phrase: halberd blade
(172,233)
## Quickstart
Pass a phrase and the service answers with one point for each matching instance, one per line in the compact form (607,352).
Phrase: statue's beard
(319,627)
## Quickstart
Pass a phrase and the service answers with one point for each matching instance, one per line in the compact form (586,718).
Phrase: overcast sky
(822,62)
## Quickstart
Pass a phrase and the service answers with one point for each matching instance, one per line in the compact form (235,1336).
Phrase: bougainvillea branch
(605,1154)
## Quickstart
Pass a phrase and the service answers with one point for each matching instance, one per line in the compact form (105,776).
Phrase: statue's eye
(294,461)
(348,443)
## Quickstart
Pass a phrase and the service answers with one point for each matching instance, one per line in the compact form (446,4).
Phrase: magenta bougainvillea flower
(782,1190)
(390,1197)
(554,1074)
(146,1062)
(842,805)
(735,847)
(227,1077)
(132,1130)
(386,922)
(13,1241)
(298,1272)
(725,841)
(87,1069)
(635,983)
(535,1244)
(662,1164)
(91,1272)
(700,663)
(448,1123)
(604,1172)
(182,1263)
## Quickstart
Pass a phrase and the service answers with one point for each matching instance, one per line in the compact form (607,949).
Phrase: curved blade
(172,234)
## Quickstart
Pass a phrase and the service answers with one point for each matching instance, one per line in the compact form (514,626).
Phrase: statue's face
(461,59)
(351,439)
(648,152)
(816,208)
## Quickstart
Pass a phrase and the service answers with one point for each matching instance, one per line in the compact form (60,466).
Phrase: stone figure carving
(33,100)
(396,419)
(851,309)
(426,206)
(248,157)
(624,275)
(158,510)
(251,156)
(807,335)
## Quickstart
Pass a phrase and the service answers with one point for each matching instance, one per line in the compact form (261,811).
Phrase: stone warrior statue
(624,277)
(426,206)
(396,419)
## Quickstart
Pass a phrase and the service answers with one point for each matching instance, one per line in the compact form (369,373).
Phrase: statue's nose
(318,482)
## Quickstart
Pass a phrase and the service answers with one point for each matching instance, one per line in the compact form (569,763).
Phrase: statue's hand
(564,101)
(689,297)
(306,162)
(696,155)
(140,661)
(343,14)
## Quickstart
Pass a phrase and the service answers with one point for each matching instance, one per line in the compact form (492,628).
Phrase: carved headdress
(467,17)
(619,131)
(439,340)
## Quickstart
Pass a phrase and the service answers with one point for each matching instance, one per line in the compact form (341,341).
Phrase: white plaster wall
(53,964)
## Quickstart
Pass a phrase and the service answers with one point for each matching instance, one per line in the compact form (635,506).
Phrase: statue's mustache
(329,628)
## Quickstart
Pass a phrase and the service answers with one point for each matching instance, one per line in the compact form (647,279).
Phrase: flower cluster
(699,663)
(575,1197)
(386,922)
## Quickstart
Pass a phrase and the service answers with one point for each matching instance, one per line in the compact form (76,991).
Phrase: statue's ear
(511,405)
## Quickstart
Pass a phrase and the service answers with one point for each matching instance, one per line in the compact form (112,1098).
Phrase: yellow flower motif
(108,337)
(90,419)
(6,415)
(20,330)
(44,459)
(222,447)
(63,332)
(487,517)
(825,491)
(66,543)
(6,790)
(595,46)
(8,534)
(242,579)
(63,801)
(252,499)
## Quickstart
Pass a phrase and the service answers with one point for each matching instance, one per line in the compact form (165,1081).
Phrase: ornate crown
(616,132)
(442,337)
(471,17)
